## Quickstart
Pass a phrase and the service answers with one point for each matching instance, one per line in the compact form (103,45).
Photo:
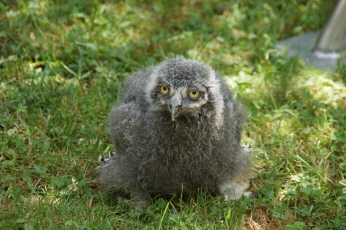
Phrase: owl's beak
(175,106)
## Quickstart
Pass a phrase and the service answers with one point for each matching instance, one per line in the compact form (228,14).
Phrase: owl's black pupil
(194,92)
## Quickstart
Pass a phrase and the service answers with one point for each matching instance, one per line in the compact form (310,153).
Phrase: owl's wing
(126,120)
(135,87)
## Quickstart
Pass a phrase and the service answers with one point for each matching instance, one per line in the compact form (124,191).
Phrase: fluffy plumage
(177,128)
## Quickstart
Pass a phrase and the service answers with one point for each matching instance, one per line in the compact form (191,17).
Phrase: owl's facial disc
(185,100)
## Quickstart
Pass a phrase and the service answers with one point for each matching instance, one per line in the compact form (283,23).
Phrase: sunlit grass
(62,66)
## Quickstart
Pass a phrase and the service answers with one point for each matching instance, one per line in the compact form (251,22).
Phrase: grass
(62,66)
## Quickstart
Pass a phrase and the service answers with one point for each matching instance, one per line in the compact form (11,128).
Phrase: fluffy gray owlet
(177,129)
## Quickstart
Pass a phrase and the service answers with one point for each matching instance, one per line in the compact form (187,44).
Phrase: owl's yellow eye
(164,90)
(194,94)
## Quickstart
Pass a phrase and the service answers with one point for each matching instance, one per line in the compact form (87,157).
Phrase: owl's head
(183,87)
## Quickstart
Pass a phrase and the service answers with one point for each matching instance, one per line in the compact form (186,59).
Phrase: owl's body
(177,129)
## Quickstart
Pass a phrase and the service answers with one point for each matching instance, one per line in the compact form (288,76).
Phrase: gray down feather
(174,142)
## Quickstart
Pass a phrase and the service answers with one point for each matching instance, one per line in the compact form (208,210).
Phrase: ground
(62,67)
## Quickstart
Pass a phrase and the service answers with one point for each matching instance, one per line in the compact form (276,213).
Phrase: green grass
(62,66)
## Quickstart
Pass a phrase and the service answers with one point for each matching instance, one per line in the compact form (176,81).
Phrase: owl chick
(177,129)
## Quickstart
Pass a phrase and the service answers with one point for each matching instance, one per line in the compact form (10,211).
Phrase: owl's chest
(182,154)
(183,130)
(169,177)
(183,142)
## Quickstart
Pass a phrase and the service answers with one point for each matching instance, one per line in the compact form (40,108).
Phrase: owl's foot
(233,190)
(105,161)
(140,202)
(140,205)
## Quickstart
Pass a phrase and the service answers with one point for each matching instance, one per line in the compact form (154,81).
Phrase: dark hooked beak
(175,106)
